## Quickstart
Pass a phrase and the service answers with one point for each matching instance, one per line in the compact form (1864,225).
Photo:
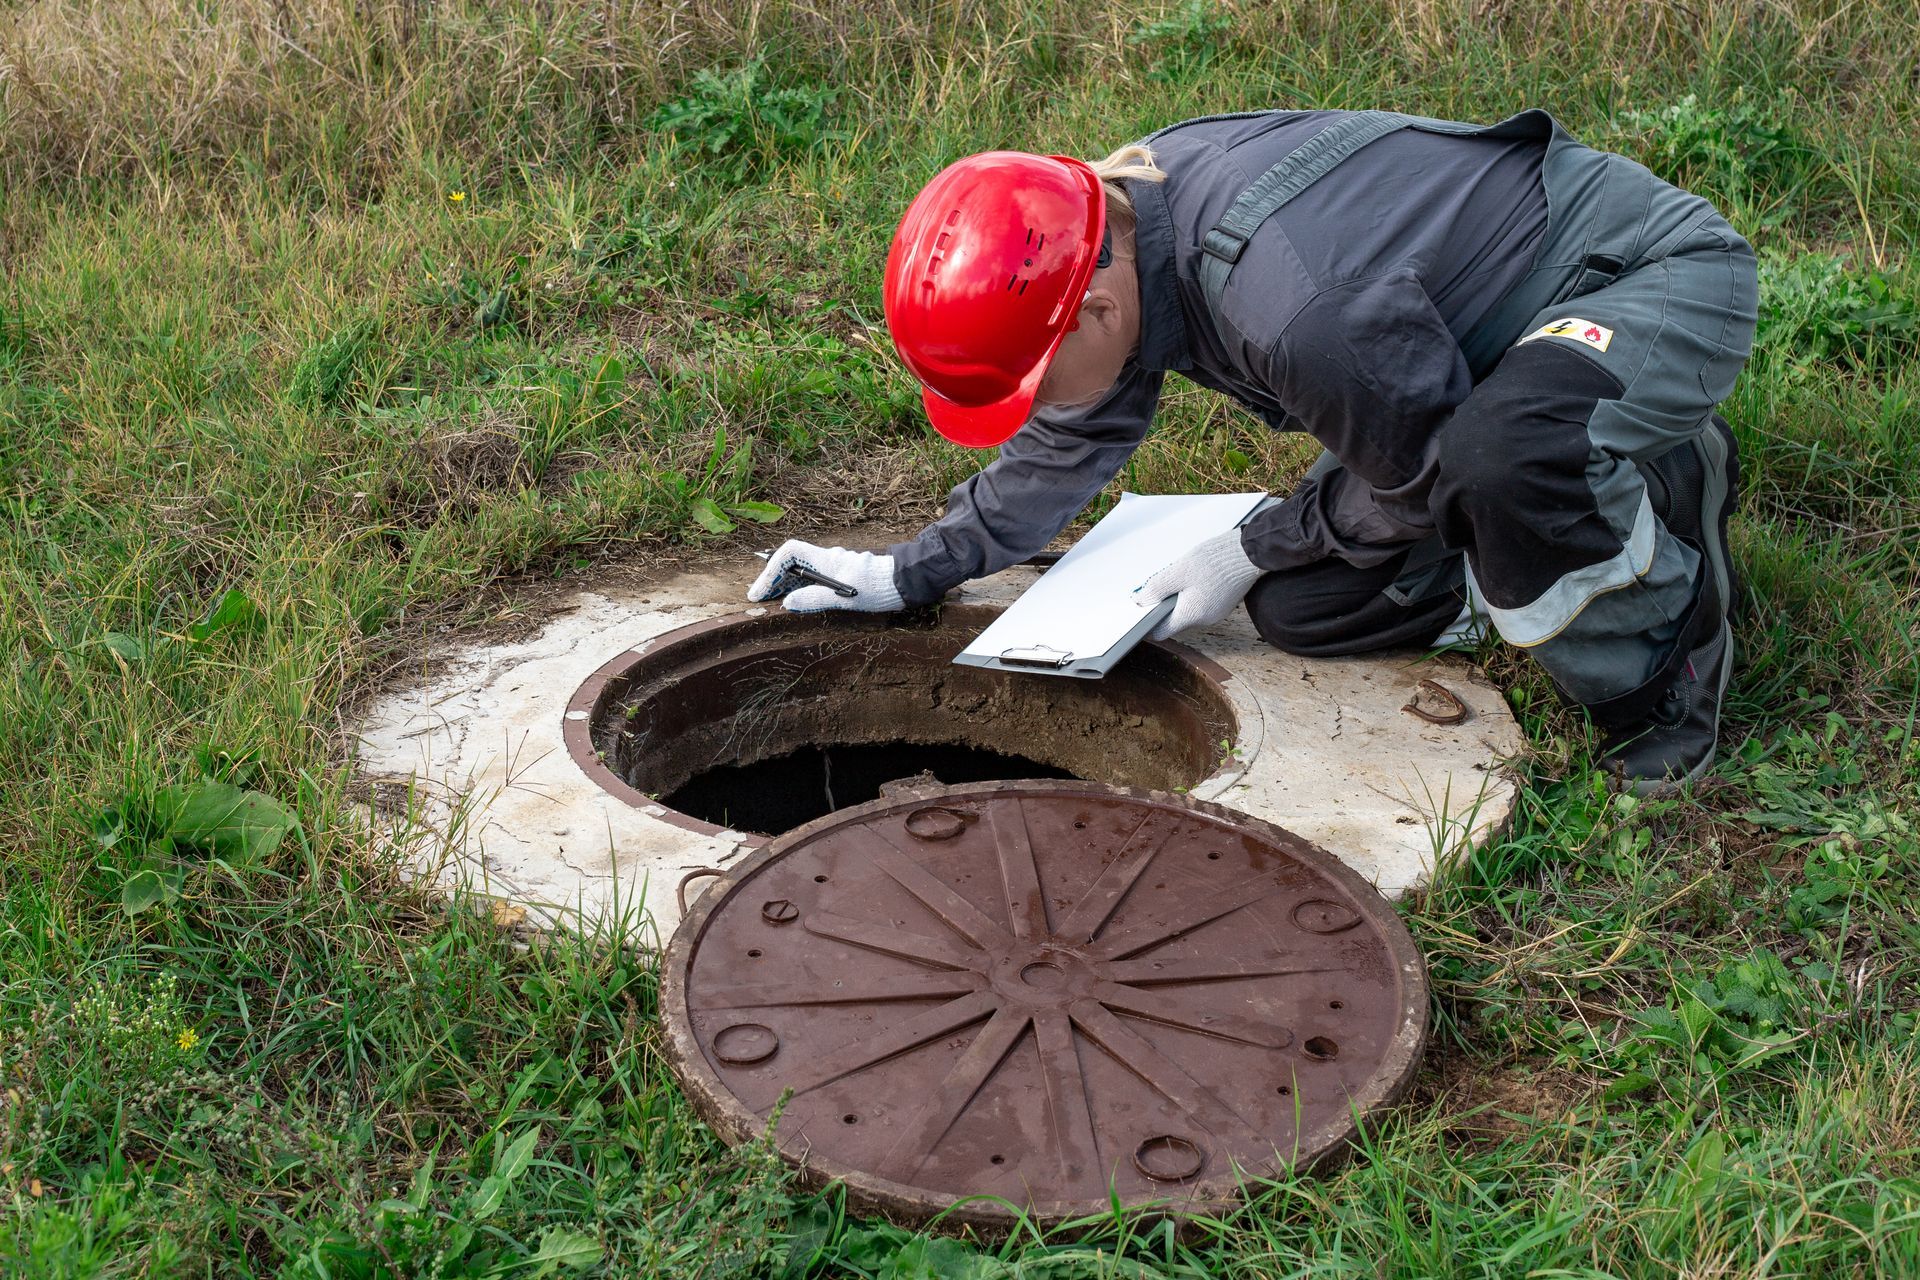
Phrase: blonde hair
(1131,161)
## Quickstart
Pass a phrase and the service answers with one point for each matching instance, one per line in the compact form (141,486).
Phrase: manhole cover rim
(735,1122)
(1247,737)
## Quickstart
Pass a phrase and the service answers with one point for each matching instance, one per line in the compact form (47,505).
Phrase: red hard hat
(985,277)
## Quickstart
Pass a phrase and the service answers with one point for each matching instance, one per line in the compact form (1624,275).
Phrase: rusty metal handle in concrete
(1456,710)
(698,873)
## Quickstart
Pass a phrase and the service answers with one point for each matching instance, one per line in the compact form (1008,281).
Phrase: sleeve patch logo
(1576,330)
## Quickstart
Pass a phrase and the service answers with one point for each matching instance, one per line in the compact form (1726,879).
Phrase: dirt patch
(458,466)
(1483,1108)
(881,493)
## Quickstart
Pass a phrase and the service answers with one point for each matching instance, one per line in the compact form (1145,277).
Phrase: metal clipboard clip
(1037,655)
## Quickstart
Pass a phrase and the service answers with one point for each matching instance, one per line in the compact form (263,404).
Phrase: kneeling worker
(1510,345)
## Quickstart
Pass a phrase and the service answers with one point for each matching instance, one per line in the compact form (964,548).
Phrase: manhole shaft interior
(1042,991)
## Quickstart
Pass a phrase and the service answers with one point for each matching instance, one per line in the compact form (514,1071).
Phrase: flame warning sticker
(1593,335)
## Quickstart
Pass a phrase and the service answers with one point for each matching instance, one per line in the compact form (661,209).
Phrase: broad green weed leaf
(421,1189)
(1699,1171)
(233,609)
(1696,1019)
(517,1157)
(510,1164)
(1634,1082)
(226,822)
(110,827)
(143,891)
(708,515)
(759,512)
(940,1258)
(495,308)
(574,1250)
(873,1248)
(948,1259)
(609,378)
(487,1199)
(811,1229)
(459,1236)
(123,646)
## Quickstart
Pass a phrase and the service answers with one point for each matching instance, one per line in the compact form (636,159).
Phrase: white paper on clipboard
(1083,616)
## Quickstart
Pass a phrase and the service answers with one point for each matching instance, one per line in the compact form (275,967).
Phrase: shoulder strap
(1296,171)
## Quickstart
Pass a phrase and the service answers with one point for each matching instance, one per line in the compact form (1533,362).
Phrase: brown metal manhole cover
(1045,992)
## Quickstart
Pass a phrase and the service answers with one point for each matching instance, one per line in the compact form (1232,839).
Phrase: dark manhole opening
(762,724)
(777,795)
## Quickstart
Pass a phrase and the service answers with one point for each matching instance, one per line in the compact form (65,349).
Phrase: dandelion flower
(456,196)
(187,1039)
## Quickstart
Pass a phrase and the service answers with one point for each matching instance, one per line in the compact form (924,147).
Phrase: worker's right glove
(1208,581)
(870,575)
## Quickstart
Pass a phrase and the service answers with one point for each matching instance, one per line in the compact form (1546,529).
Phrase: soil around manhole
(736,722)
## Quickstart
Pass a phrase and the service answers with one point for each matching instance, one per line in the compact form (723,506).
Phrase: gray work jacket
(1345,318)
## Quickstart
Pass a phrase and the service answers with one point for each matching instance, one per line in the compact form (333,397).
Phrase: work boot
(1675,743)
(1694,489)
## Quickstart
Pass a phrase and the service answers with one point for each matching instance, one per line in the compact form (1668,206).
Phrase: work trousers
(1538,484)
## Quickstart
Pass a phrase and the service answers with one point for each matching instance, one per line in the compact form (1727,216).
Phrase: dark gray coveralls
(1492,330)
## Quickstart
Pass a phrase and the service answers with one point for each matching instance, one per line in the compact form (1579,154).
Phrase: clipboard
(1081,618)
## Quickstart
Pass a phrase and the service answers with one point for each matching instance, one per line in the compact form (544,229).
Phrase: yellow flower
(456,196)
(187,1039)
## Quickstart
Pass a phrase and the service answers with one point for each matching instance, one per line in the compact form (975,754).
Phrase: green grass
(250,342)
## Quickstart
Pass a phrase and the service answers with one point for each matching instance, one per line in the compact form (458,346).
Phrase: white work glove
(1208,581)
(868,574)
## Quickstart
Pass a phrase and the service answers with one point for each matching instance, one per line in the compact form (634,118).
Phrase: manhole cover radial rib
(1047,992)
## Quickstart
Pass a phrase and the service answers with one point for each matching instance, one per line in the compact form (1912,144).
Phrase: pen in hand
(808,574)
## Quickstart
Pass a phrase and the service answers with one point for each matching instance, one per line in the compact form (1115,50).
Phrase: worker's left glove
(870,575)
(1208,581)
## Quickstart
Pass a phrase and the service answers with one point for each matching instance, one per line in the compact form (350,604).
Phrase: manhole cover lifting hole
(1065,992)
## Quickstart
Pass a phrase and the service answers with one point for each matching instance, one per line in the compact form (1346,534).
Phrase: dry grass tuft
(456,467)
(350,92)
(89,89)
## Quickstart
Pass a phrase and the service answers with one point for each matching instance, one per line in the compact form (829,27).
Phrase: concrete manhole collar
(494,741)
